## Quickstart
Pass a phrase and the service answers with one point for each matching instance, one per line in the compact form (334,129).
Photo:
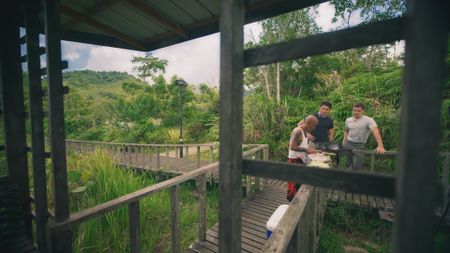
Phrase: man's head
(325,108)
(358,110)
(310,123)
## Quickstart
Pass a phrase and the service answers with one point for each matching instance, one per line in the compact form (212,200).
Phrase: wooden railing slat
(134,227)
(174,218)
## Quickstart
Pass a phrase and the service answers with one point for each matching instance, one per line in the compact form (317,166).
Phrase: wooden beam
(155,15)
(364,35)
(61,242)
(102,27)
(257,10)
(283,233)
(373,184)
(13,111)
(422,89)
(37,125)
(104,5)
(231,98)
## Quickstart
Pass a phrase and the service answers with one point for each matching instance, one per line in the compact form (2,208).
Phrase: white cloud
(325,14)
(111,59)
(72,50)
(196,61)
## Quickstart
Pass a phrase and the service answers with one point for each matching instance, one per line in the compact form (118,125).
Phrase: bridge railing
(443,170)
(132,201)
(298,230)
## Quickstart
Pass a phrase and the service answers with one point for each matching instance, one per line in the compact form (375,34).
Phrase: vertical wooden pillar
(13,112)
(37,124)
(174,218)
(230,162)
(426,42)
(62,241)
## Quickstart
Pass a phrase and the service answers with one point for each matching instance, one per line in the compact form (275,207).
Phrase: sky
(196,61)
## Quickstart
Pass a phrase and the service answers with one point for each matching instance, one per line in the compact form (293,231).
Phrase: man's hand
(312,151)
(380,150)
(310,137)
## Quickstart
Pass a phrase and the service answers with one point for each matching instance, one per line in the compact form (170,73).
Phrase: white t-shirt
(359,129)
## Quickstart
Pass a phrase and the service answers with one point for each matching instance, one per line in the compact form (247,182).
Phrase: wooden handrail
(111,205)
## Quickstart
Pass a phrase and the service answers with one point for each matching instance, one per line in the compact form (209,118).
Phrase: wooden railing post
(175,229)
(258,185)
(158,159)
(202,207)
(134,227)
(198,156)
(265,158)
(186,154)
(211,153)
(248,186)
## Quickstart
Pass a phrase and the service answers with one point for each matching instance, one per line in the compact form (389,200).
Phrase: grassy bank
(94,179)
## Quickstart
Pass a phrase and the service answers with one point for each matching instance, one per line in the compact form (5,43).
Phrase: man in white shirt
(356,133)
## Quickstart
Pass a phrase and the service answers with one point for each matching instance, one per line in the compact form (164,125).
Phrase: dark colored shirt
(321,130)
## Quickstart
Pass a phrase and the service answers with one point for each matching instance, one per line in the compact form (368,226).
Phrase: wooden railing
(298,230)
(136,153)
(132,200)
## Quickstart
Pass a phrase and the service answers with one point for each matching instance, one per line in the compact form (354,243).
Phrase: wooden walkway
(256,211)
(363,201)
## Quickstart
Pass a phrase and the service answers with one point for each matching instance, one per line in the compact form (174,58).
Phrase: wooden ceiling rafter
(100,26)
(148,10)
(106,4)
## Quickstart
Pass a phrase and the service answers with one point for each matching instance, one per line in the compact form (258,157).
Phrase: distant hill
(81,78)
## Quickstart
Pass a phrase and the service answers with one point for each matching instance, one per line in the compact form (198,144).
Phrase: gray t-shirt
(359,129)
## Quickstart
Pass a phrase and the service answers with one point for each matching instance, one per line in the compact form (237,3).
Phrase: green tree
(149,66)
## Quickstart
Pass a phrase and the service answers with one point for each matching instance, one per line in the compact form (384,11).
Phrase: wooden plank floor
(364,201)
(256,211)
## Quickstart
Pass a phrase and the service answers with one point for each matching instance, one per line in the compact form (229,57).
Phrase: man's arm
(331,135)
(377,135)
(344,141)
(293,144)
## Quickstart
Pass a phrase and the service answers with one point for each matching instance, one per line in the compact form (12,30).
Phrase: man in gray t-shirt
(356,133)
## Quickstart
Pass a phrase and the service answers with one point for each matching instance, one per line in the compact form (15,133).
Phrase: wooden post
(248,186)
(211,154)
(37,124)
(186,154)
(258,185)
(174,218)
(265,158)
(198,156)
(232,14)
(202,207)
(158,158)
(134,227)
(423,81)
(61,241)
(13,111)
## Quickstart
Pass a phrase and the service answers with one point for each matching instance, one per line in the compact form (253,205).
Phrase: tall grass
(103,181)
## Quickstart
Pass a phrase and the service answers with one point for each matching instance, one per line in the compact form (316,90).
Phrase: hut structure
(147,25)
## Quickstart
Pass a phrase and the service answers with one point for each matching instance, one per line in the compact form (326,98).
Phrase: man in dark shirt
(324,131)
